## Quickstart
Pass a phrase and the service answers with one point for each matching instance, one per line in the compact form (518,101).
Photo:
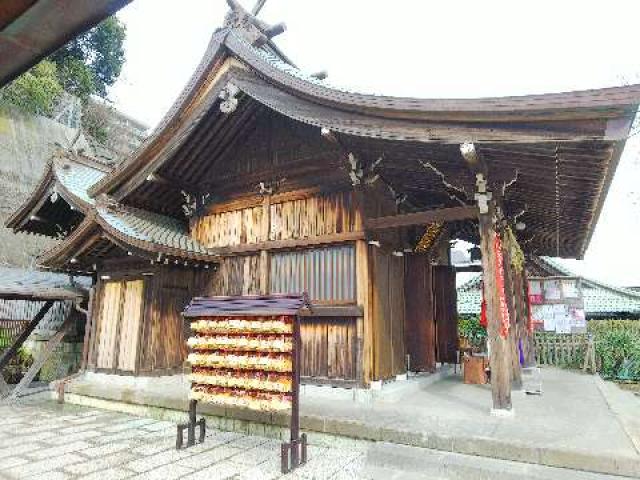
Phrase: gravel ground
(42,440)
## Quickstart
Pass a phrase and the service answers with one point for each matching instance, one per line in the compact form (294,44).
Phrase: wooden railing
(562,350)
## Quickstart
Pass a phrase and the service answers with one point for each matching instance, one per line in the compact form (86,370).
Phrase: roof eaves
(576,104)
(34,201)
(170,123)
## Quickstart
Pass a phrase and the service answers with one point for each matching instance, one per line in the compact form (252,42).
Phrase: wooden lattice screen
(9,331)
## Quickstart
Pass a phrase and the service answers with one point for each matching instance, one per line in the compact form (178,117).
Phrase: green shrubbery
(617,348)
(469,328)
(17,366)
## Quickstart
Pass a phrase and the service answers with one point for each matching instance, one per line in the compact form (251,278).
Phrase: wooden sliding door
(130,325)
(118,326)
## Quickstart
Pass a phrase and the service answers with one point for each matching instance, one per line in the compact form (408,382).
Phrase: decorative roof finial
(254,29)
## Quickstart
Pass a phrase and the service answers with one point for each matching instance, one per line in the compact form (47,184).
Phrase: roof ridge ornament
(256,31)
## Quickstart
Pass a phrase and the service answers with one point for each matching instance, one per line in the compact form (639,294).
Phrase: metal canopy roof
(32,29)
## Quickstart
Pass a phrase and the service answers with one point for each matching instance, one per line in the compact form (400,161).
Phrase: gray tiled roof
(599,298)
(19,281)
(77,178)
(151,227)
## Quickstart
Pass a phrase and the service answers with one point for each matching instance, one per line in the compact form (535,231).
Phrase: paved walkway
(46,441)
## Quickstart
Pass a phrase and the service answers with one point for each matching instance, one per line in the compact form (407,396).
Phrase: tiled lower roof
(151,228)
(77,178)
(599,298)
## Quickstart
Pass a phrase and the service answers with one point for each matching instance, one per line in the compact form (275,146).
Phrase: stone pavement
(42,440)
(579,422)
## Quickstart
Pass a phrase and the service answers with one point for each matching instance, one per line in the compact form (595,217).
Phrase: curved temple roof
(130,230)
(69,176)
(556,152)
(563,145)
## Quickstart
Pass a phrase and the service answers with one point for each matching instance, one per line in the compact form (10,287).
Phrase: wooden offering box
(474,369)
(245,352)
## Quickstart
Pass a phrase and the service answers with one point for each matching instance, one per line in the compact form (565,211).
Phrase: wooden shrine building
(264,179)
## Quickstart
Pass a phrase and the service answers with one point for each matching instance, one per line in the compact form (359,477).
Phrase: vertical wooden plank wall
(445,308)
(292,215)
(388,311)
(420,327)
(162,348)
(329,349)
(138,325)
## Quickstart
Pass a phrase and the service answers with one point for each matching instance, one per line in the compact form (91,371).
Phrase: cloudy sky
(426,49)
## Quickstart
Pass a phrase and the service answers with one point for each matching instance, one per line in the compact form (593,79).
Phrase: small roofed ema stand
(263,179)
(557,304)
(245,352)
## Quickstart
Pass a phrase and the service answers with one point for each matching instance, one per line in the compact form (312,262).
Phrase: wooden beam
(333,311)
(364,324)
(468,268)
(13,349)
(289,244)
(422,218)
(4,388)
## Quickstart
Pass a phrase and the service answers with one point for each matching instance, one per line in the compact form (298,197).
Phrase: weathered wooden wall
(138,327)
(233,276)
(327,274)
(292,215)
(329,349)
(445,311)
(420,327)
(388,314)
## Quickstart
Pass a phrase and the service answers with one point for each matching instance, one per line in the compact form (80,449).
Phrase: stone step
(388,461)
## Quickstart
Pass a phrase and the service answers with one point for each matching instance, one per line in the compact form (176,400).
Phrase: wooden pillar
(265,288)
(364,326)
(500,348)
(87,330)
(510,293)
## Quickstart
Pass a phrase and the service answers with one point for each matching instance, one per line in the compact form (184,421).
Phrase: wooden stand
(474,370)
(190,427)
(283,309)
(294,453)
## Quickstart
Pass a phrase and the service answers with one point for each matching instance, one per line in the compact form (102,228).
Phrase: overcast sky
(423,49)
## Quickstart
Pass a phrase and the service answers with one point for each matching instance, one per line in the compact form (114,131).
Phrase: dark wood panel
(446,314)
(388,314)
(420,334)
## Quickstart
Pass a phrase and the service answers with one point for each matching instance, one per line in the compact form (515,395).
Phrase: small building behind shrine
(265,179)
(601,300)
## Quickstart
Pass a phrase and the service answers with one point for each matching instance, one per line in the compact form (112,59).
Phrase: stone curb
(326,430)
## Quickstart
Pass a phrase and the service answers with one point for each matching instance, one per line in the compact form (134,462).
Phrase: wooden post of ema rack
(294,453)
